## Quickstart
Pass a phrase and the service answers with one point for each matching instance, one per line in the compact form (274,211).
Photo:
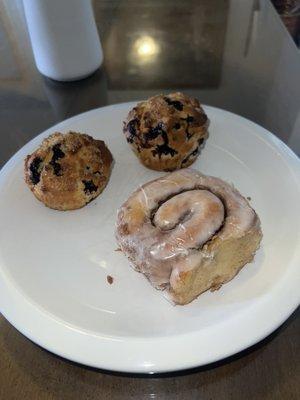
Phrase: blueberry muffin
(166,132)
(68,170)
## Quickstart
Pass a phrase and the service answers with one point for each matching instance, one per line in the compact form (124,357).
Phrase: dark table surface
(231,54)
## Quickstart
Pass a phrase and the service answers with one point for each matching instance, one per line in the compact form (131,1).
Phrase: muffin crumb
(165,131)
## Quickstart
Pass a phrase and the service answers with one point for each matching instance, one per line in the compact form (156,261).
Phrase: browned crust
(246,246)
(82,163)
(185,130)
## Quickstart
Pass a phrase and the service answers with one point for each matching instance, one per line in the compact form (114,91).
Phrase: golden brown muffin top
(67,170)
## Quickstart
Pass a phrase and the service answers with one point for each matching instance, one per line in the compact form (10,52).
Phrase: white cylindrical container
(64,38)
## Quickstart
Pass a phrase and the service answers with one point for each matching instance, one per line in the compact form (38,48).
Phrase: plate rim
(12,311)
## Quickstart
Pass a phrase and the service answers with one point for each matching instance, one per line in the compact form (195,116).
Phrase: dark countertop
(231,54)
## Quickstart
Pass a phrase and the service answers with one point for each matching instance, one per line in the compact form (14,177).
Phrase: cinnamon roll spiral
(188,233)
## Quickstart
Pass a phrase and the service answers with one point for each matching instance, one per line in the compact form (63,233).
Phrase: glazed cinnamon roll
(188,233)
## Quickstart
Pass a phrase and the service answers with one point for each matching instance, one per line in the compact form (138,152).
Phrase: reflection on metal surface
(146,49)
(165,45)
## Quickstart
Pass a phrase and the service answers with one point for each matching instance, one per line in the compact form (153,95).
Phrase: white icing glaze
(202,214)
(164,225)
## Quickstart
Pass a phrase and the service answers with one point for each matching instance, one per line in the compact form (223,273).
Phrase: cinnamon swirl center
(187,220)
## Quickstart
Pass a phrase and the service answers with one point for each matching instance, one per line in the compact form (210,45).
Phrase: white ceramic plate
(54,265)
